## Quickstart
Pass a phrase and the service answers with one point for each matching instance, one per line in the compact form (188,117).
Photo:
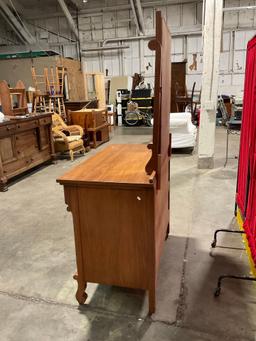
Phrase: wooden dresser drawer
(26,125)
(13,168)
(45,120)
(40,157)
(7,129)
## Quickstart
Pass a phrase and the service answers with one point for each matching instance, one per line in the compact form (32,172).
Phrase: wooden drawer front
(45,120)
(26,143)
(44,137)
(26,125)
(39,157)
(7,151)
(7,129)
(14,168)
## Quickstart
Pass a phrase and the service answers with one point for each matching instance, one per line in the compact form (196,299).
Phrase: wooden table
(116,212)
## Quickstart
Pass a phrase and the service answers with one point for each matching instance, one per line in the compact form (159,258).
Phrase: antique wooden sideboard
(119,199)
(24,144)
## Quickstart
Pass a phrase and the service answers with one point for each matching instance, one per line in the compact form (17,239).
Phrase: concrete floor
(37,292)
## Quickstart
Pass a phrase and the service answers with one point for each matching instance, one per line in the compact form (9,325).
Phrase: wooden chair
(67,138)
(183,99)
(13,100)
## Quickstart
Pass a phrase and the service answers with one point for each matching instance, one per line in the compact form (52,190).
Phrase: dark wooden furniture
(119,199)
(24,144)
(94,122)
(178,75)
(182,100)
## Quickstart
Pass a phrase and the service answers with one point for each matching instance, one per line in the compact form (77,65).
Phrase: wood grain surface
(116,164)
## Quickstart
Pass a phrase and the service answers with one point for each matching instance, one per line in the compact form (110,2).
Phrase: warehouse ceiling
(26,19)
(28,7)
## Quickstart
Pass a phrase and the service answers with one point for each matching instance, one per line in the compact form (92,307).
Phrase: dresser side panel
(117,232)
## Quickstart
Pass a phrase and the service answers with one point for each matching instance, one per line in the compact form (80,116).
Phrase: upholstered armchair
(67,138)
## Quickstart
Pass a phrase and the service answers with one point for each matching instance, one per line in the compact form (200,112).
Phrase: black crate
(143,102)
(141,93)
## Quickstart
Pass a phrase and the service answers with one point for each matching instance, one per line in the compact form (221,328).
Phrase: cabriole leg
(81,295)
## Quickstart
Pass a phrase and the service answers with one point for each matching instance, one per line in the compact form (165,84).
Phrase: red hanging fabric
(248,127)
(250,220)
(246,179)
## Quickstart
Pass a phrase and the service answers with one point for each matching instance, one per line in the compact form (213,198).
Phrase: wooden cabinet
(24,144)
(178,74)
(94,122)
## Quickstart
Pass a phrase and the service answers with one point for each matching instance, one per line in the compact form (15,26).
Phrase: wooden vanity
(119,199)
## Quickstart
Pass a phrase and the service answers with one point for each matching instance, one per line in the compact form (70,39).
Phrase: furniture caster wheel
(217,292)
(213,244)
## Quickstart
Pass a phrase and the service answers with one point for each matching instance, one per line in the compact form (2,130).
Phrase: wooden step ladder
(40,94)
(55,85)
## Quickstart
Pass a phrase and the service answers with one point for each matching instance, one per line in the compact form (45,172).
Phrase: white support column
(212,31)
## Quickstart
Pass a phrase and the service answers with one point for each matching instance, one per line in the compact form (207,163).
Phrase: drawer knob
(18,126)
